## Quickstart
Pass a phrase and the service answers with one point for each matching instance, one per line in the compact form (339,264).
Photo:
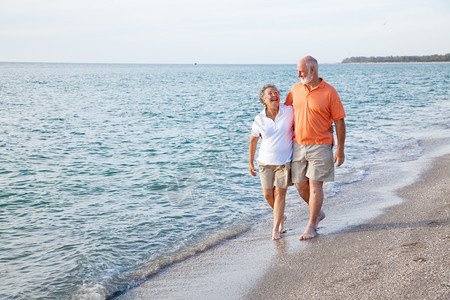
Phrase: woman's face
(271,98)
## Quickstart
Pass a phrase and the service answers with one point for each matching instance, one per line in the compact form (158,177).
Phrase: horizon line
(149,63)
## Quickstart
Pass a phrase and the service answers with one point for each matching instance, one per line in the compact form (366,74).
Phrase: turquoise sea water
(110,172)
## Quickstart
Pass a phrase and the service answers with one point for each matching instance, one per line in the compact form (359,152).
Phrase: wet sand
(402,254)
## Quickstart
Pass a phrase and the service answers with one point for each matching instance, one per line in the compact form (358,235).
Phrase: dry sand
(403,254)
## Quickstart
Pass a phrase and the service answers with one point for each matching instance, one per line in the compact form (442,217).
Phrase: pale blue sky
(208,31)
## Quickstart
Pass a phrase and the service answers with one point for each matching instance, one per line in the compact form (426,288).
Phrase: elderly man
(316,106)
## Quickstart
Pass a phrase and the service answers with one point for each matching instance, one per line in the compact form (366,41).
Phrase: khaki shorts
(312,162)
(271,175)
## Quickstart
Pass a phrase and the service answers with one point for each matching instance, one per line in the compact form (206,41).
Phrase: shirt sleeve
(288,98)
(337,109)
(256,127)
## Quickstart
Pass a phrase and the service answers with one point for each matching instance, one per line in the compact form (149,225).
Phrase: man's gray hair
(263,90)
(312,62)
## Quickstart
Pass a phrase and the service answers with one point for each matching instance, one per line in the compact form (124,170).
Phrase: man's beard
(308,78)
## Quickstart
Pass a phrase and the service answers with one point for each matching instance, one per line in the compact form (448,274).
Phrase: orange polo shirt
(314,112)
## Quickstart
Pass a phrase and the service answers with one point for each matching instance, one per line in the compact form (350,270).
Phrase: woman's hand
(251,168)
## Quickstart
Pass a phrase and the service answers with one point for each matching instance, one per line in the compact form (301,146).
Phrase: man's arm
(289,99)
(339,156)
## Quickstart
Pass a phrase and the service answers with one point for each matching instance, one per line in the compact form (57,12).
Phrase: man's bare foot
(320,218)
(281,228)
(276,235)
(310,232)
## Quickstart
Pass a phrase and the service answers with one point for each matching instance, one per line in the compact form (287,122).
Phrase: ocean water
(110,172)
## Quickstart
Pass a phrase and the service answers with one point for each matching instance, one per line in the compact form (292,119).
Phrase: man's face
(304,73)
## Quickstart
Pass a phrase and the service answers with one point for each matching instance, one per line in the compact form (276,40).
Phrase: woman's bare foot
(276,235)
(281,228)
(310,232)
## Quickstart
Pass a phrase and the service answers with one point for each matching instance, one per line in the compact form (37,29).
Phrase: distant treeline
(388,59)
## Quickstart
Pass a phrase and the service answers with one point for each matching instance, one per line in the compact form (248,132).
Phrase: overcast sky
(211,31)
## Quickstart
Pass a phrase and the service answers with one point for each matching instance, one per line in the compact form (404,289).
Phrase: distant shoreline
(397,59)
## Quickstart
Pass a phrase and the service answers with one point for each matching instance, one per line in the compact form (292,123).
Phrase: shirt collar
(321,84)
(280,111)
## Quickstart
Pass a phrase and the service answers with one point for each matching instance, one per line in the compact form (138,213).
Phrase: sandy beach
(402,254)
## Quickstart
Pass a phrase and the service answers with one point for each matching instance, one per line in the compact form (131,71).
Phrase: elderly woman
(274,125)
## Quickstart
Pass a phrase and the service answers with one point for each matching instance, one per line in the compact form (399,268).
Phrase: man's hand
(339,157)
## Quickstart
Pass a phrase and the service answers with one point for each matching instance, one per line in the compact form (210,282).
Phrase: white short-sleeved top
(276,146)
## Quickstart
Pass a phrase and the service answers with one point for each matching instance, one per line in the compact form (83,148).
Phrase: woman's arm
(251,154)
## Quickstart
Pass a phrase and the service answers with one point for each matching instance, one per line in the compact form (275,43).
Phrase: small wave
(354,176)
(158,186)
(96,292)
(149,114)
(6,195)
(331,189)
(413,149)
(77,133)
(151,268)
